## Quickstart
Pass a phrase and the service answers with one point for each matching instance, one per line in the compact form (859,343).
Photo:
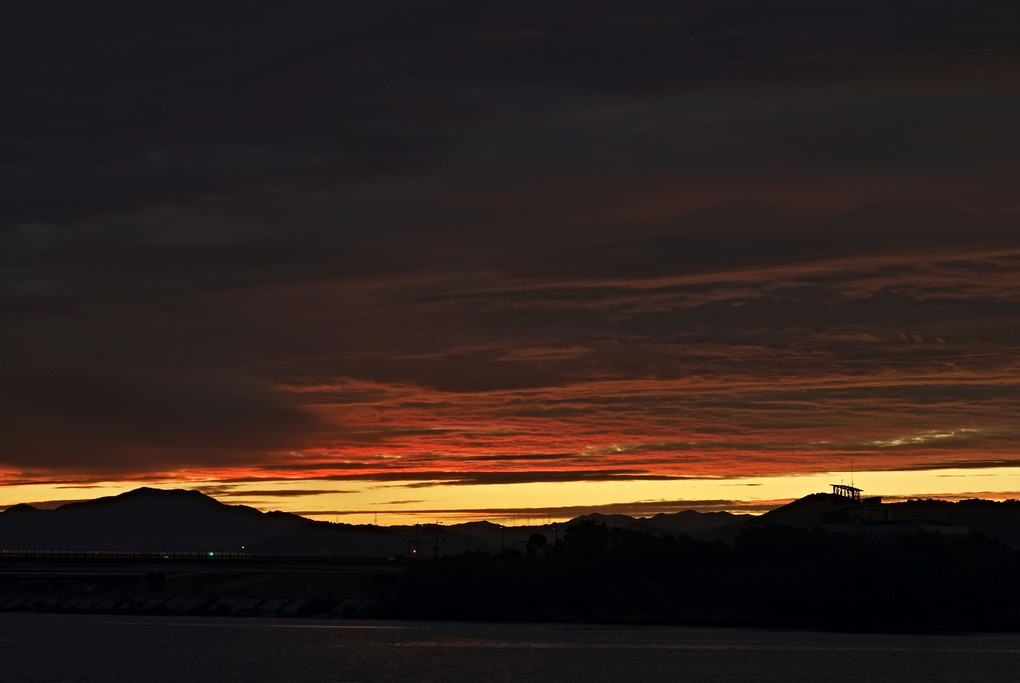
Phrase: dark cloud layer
(646,239)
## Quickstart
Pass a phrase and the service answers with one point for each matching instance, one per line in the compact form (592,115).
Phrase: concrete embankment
(312,590)
(328,607)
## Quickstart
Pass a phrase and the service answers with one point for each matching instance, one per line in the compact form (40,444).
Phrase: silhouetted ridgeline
(184,521)
(770,576)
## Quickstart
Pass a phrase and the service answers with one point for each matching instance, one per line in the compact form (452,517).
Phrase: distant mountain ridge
(144,519)
(187,520)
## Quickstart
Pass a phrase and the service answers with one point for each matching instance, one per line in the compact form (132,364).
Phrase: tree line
(769,576)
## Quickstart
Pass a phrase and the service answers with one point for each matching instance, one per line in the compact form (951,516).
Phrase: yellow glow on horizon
(395,503)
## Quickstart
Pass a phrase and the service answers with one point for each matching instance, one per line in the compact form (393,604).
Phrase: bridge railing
(32,553)
(188,556)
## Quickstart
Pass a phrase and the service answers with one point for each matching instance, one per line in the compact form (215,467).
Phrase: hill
(179,520)
(997,519)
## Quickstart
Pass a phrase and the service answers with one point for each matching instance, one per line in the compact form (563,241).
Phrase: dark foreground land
(768,577)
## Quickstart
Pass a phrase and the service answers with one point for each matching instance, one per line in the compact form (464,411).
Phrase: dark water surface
(49,647)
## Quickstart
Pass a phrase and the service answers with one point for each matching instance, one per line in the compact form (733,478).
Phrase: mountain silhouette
(182,520)
(185,520)
(144,519)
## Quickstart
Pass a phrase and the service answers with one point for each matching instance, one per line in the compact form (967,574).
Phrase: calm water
(39,647)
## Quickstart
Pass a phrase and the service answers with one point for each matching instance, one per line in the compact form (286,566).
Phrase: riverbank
(80,589)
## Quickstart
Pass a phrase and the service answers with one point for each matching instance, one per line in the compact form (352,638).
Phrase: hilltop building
(850,513)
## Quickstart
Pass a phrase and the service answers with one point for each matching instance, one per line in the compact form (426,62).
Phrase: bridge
(175,561)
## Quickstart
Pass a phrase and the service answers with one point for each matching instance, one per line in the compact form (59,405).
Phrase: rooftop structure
(850,493)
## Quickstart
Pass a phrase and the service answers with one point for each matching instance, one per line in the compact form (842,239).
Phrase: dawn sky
(416,260)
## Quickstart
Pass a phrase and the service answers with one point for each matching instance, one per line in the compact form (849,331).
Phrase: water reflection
(37,647)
